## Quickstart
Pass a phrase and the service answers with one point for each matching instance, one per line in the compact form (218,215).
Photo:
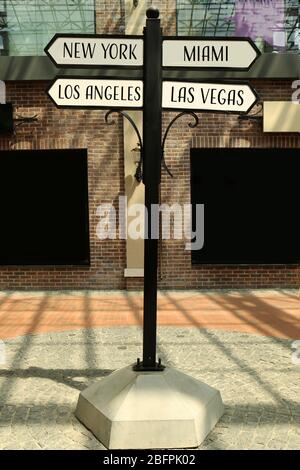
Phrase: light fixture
(139,169)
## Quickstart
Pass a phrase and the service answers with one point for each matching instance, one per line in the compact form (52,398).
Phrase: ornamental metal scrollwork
(191,124)
(139,171)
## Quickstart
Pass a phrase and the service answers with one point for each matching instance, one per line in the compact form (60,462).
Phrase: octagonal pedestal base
(149,410)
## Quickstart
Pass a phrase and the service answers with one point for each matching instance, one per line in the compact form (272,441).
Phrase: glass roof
(30,24)
(275,22)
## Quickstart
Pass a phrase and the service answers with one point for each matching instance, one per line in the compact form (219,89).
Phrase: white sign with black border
(210,53)
(94,51)
(208,96)
(96,93)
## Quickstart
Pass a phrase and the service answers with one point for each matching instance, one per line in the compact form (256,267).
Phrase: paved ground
(270,312)
(43,373)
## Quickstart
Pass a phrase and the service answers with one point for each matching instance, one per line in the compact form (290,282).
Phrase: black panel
(44,208)
(6,118)
(251,203)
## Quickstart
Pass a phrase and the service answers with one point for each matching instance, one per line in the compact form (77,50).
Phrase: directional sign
(215,97)
(221,53)
(96,93)
(97,50)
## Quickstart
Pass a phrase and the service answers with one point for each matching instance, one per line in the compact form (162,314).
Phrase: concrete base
(149,410)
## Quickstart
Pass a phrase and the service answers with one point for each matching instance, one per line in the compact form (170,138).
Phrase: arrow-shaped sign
(96,93)
(214,97)
(67,50)
(221,53)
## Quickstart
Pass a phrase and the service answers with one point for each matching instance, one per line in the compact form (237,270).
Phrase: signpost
(210,53)
(215,97)
(141,406)
(96,93)
(95,51)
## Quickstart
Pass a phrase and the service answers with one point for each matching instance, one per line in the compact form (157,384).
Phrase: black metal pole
(152,129)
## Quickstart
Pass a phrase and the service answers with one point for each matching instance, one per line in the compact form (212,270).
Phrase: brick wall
(217,130)
(110,16)
(87,129)
(57,129)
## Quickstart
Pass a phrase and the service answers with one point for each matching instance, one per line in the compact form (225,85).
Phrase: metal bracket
(22,120)
(139,171)
(254,116)
(139,367)
(191,124)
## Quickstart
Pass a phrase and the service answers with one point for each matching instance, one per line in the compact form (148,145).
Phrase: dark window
(44,208)
(251,205)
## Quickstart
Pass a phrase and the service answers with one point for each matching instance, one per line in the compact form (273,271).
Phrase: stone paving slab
(43,374)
